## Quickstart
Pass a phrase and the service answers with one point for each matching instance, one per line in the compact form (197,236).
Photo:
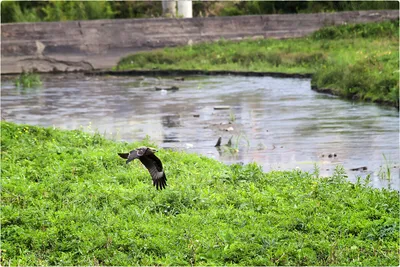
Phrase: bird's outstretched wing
(129,156)
(155,168)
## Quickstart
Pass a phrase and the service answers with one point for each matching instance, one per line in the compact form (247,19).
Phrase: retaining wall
(98,44)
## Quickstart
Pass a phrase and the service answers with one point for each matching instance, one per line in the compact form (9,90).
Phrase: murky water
(279,123)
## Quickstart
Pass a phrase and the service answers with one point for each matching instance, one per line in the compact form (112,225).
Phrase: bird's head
(153,150)
(145,150)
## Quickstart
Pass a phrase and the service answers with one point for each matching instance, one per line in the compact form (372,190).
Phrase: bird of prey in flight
(151,162)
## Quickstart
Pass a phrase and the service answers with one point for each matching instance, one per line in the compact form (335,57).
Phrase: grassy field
(68,199)
(355,61)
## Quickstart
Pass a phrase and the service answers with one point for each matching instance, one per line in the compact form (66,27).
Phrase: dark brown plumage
(151,162)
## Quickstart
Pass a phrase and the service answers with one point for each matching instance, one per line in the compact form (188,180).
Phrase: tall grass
(68,199)
(385,172)
(356,61)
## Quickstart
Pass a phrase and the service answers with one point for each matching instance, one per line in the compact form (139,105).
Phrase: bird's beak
(153,149)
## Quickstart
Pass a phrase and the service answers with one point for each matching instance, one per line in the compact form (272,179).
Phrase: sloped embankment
(68,199)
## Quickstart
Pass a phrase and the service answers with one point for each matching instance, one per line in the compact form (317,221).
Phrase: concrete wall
(97,44)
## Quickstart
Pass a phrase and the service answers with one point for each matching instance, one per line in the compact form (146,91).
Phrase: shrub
(365,30)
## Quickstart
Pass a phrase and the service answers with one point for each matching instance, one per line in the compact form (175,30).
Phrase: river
(280,123)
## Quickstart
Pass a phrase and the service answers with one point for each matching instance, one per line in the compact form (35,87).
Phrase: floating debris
(218,142)
(221,107)
(189,145)
(364,168)
(172,88)
(230,142)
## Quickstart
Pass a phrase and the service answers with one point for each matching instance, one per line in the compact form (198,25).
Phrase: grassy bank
(355,61)
(68,199)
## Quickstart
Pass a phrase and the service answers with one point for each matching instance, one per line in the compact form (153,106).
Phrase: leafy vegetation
(28,79)
(33,11)
(236,8)
(68,199)
(357,69)
(356,61)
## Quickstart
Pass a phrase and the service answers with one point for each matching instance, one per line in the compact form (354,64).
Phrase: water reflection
(171,121)
(279,123)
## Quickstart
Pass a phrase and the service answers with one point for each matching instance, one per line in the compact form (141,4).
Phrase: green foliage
(137,9)
(68,199)
(385,29)
(356,61)
(31,11)
(77,10)
(235,8)
(12,11)
(372,74)
(28,79)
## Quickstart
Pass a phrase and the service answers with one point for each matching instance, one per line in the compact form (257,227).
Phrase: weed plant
(27,80)
(68,199)
(358,61)
(385,170)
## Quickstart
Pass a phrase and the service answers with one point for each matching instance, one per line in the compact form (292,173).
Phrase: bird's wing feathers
(154,166)
(132,155)
(151,162)
(156,161)
(129,156)
(123,155)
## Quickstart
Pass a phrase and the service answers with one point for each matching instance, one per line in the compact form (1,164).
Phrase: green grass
(68,199)
(27,80)
(354,61)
